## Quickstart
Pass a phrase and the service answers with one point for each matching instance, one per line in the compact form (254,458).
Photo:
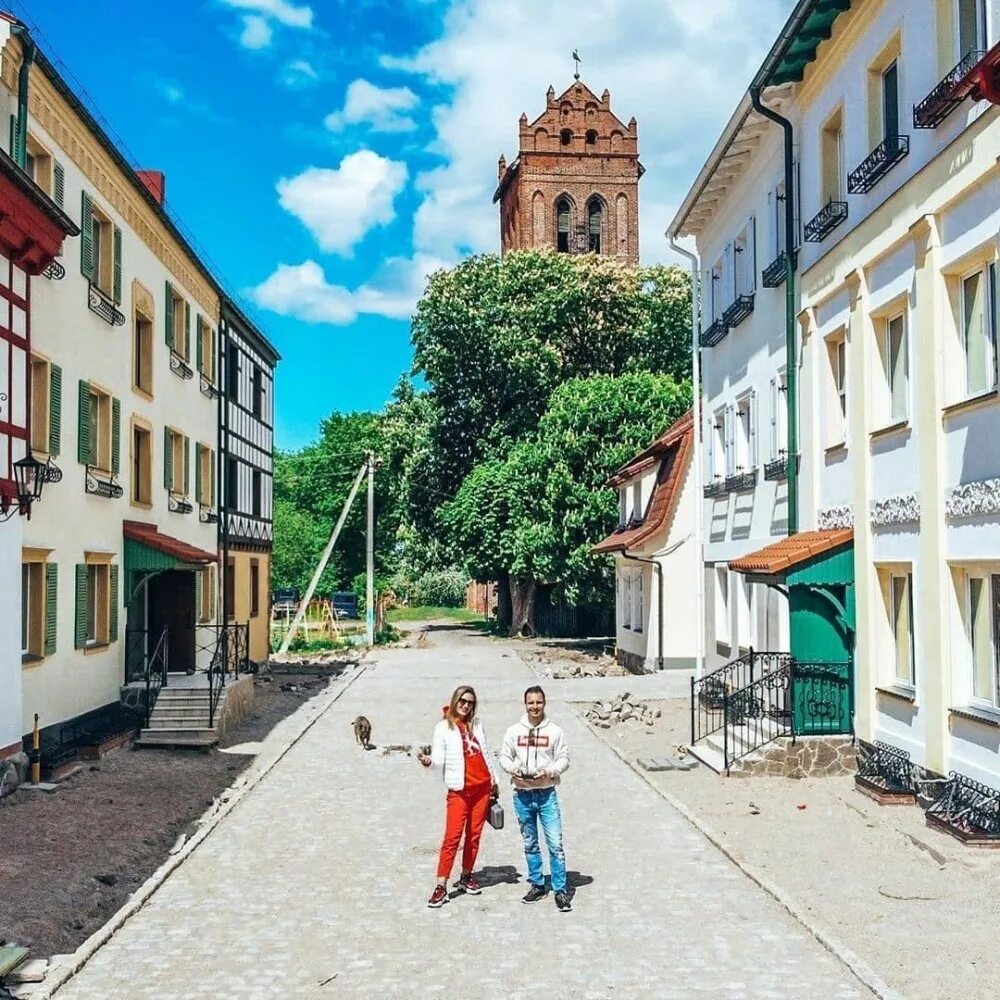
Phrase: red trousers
(466,812)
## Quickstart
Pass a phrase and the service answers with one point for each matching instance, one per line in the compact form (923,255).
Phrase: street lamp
(29,478)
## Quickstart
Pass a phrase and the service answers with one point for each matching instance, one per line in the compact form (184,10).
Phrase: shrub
(439,589)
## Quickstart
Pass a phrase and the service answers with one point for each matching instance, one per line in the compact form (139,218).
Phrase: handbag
(495,815)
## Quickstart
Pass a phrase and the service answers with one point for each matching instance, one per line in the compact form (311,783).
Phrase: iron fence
(886,769)
(758,714)
(823,697)
(966,809)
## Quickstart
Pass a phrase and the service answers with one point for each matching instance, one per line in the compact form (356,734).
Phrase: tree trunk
(522,600)
(504,611)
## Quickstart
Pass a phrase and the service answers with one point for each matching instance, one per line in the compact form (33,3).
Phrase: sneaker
(468,883)
(563,904)
(535,893)
(438,896)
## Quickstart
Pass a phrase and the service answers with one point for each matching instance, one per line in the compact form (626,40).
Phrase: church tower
(575,183)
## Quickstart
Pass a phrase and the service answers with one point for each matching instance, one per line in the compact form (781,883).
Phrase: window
(258,493)
(971,27)
(893,350)
(233,372)
(562,225)
(566,136)
(177,322)
(594,216)
(100,249)
(142,353)
(254,588)
(779,416)
(890,102)
(622,507)
(983,625)
(745,262)
(96,601)
(779,219)
(637,501)
(836,349)
(746,613)
(746,435)
(897,593)
(205,340)
(258,391)
(38,604)
(98,440)
(39,166)
(176,459)
(142,465)
(232,483)
(206,593)
(204,475)
(722,621)
(716,289)
(718,439)
(979,318)
(230,597)
(637,601)
(591,137)
(729,419)
(832,157)
(40,404)
(626,584)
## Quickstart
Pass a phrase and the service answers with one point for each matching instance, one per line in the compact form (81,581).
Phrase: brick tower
(575,183)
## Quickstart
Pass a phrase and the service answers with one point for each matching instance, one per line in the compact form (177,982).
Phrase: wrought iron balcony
(102,484)
(967,810)
(179,366)
(776,471)
(714,334)
(102,304)
(878,163)
(55,271)
(831,215)
(738,311)
(886,774)
(207,386)
(945,97)
(774,274)
(52,473)
(740,482)
(207,516)
(716,488)
(178,505)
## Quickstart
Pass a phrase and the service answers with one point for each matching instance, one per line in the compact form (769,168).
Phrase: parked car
(285,597)
(344,603)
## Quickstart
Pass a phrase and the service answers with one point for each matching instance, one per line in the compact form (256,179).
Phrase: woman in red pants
(459,749)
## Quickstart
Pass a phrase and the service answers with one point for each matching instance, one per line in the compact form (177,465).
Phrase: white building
(656,554)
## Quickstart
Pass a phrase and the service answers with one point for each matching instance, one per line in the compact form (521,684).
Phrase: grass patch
(419,614)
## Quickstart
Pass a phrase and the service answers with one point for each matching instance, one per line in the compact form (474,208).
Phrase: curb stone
(860,969)
(220,808)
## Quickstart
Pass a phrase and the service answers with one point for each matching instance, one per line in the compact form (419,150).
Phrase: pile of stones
(623,708)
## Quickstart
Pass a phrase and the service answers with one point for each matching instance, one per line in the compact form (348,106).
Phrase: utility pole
(370,582)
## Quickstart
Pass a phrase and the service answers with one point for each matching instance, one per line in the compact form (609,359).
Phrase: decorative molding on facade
(904,508)
(973,499)
(834,518)
(51,111)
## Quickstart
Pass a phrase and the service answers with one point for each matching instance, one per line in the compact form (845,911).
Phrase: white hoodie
(540,750)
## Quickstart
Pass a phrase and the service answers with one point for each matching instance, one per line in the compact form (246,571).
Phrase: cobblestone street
(315,885)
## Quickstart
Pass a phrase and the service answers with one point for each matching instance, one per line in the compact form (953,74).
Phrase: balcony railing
(777,470)
(943,99)
(831,215)
(102,484)
(102,304)
(52,473)
(967,810)
(207,386)
(878,163)
(716,488)
(207,516)
(738,311)
(180,367)
(740,482)
(773,275)
(54,272)
(886,774)
(178,505)
(714,334)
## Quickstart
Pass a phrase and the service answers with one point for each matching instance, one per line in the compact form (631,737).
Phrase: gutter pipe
(28,49)
(699,583)
(791,346)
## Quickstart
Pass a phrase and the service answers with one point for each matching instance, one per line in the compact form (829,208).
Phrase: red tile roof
(789,552)
(149,535)
(673,450)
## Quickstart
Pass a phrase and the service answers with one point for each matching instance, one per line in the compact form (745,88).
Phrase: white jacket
(448,754)
(540,750)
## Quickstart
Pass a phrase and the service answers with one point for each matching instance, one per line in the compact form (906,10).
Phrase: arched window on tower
(566,136)
(562,225)
(594,218)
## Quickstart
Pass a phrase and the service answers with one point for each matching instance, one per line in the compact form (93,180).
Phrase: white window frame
(26,609)
(626,580)
(637,500)
(723,618)
(778,218)
(982,28)
(719,450)
(745,260)
(904,578)
(745,433)
(717,280)
(779,415)
(622,506)
(637,602)
(890,416)
(985,577)
(991,319)
(746,602)
(836,351)
(729,432)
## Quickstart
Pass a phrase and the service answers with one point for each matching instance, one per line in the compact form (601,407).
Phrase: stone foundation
(237,705)
(808,757)
(13,773)
(633,662)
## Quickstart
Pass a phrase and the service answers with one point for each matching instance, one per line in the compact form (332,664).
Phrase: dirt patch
(562,659)
(914,904)
(70,859)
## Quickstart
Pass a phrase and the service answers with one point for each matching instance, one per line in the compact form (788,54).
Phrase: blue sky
(327,155)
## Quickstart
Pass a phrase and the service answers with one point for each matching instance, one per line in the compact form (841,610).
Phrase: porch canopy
(789,558)
(148,550)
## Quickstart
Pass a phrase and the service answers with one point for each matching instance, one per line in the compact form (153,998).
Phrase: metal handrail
(157,668)
(758,714)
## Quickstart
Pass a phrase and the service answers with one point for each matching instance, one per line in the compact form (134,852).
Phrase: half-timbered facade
(246,452)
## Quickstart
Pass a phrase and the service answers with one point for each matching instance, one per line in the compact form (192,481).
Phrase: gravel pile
(623,708)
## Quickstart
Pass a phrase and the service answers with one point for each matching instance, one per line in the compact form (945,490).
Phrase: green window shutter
(13,138)
(86,236)
(113,601)
(83,429)
(211,467)
(187,465)
(51,595)
(197,472)
(116,435)
(59,183)
(80,629)
(168,459)
(168,315)
(211,593)
(118,265)
(187,331)
(211,361)
(199,351)
(198,590)
(55,408)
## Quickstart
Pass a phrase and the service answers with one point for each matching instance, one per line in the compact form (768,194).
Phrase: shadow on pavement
(498,875)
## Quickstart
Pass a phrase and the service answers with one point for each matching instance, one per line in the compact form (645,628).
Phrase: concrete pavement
(315,885)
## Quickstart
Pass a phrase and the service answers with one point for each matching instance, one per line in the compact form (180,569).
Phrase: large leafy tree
(534,516)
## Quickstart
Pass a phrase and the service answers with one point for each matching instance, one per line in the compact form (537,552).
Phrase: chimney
(155,183)
(501,167)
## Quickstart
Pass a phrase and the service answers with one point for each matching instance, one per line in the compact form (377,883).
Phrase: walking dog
(362,731)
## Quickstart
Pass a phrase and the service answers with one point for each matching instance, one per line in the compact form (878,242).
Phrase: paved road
(323,871)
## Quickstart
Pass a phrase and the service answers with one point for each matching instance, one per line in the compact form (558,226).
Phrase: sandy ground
(916,905)
(70,859)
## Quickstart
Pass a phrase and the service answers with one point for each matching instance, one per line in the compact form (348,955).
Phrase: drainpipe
(791,350)
(28,48)
(659,590)
(699,583)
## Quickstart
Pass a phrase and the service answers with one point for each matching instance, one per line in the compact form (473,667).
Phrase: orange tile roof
(149,535)
(783,555)
(673,449)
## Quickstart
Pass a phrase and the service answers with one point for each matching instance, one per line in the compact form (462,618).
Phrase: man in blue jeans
(535,755)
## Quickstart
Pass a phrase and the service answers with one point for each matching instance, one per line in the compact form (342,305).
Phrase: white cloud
(302,291)
(257,32)
(340,206)
(299,73)
(289,14)
(383,108)
(679,67)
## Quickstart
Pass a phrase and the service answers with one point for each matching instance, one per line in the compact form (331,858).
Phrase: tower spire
(577,60)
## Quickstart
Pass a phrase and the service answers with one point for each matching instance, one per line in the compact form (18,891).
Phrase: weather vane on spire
(577,60)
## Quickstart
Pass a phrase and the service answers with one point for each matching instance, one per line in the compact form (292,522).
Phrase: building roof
(673,449)
(786,554)
(148,534)
(810,23)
